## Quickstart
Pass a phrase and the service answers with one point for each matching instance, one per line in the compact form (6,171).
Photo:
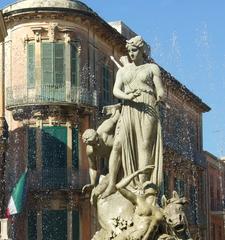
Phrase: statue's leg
(149,134)
(114,165)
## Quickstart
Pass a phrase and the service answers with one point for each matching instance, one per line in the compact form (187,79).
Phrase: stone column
(4,229)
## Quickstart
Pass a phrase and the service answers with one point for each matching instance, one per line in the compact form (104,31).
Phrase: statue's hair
(150,185)
(139,42)
(89,133)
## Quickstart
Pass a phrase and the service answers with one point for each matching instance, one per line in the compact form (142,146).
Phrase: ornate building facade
(58,75)
(216,196)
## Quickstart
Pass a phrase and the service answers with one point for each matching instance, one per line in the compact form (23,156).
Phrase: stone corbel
(37,33)
(26,40)
(78,47)
(67,38)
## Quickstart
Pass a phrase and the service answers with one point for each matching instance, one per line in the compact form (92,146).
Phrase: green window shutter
(54,156)
(75,148)
(74,67)
(59,63)
(31,148)
(32,225)
(76,225)
(54,224)
(31,65)
(54,147)
(47,63)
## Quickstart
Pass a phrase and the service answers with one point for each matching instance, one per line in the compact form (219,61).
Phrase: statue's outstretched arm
(126,180)
(128,195)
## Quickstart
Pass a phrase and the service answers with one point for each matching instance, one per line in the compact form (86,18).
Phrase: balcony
(57,179)
(49,94)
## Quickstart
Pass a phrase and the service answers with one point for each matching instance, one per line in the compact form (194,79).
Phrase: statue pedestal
(4,229)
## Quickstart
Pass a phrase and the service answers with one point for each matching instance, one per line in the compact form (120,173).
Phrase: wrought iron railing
(49,93)
(56,179)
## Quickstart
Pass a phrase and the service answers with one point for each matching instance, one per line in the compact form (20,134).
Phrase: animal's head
(174,212)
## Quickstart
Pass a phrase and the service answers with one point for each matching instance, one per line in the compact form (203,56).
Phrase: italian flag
(17,198)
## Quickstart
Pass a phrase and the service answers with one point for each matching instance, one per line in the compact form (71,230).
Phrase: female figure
(138,140)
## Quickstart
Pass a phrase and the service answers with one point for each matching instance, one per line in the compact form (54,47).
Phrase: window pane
(31,148)
(106,85)
(192,204)
(76,225)
(31,65)
(32,225)
(75,148)
(54,224)
(166,184)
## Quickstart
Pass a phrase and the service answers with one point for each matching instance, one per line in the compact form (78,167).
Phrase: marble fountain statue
(127,199)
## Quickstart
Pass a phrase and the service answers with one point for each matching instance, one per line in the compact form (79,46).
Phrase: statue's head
(150,188)
(90,136)
(174,212)
(137,47)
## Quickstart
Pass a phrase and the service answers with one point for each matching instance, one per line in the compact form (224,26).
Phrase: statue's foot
(109,191)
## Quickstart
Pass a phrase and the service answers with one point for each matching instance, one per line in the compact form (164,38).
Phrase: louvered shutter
(47,63)
(74,80)
(31,65)
(59,63)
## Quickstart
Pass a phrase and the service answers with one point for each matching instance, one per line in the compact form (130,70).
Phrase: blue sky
(187,39)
